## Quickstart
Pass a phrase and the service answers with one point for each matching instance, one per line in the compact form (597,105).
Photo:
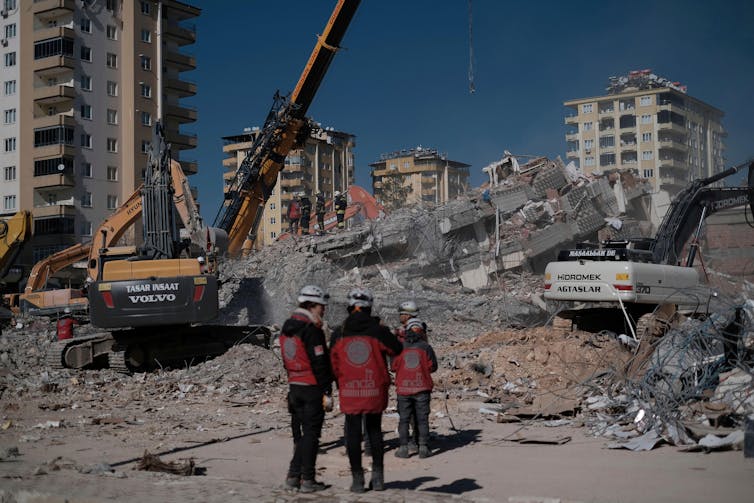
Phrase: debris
(732,441)
(152,463)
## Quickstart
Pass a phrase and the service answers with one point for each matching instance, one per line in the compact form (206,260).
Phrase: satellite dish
(61,167)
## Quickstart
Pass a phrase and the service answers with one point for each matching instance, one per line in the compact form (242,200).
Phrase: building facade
(325,164)
(651,125)
(417,175)
(83,84)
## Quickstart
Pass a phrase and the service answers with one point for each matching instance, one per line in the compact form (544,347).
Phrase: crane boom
(284,128)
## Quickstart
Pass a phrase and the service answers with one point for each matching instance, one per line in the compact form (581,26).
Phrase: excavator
(14,233)
(638,285)
(158,303)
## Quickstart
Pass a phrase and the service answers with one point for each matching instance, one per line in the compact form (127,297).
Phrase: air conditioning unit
(4,12)
(4,42)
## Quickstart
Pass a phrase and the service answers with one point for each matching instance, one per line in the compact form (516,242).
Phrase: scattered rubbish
(152,463)
(645,442)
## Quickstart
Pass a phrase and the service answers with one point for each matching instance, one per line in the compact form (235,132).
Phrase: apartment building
(325,164)
(415,175)
(83,83)
(650,125)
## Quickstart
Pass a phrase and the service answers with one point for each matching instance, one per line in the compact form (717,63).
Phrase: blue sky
(403,78)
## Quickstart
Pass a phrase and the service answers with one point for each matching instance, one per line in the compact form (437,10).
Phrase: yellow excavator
(14,233)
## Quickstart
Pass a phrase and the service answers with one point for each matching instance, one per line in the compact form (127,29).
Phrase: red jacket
(413,368)
(65,328)
(304,351)
(294,210)
(358,355)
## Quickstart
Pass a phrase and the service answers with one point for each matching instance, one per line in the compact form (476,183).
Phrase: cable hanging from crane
(472,89)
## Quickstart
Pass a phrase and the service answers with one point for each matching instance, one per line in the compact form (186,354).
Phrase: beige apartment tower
(83,83)
(325,164)
(651,125)
(417,175)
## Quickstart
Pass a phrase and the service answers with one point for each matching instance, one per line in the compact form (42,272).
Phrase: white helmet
(313,293)
(415,325)
(360,297)
(337,193)
(408,307)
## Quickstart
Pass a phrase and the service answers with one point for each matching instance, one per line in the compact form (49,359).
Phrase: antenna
(472,89)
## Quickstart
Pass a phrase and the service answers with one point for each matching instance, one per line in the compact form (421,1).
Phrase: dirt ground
(77,436)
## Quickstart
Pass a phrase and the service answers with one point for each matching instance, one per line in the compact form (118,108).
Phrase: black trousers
(354,433)
(305,225)
(321,221)
(307,416)
(417,406)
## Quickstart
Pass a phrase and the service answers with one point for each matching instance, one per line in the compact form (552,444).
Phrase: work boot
(310,486)
(402,452)
(424,451)
(357,481)
(412,447)
(378,479)
(292,483)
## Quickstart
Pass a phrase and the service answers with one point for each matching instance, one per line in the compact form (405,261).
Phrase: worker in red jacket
(65,325)
(359,360)
(303,346)
(413,385)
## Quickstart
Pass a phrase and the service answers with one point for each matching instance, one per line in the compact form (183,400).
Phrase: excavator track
(116,360)
(79,352)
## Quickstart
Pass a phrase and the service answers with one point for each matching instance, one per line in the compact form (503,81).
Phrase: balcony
(54,151)
(183,62)
(53,7)
(65,208)
(50,95)
(572,137)
(51,66)
(190,167)
(181,88)
(183,114)
(183,141)
(671,126)
(572,119)
(54,120)
(183,35)
(606,111)
(672,163)
(54,32)
(672,144)
(429,192)
(54,181)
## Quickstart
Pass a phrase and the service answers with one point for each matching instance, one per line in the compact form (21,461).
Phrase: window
(273,234)
(146,119)
(272,206)
(86,25)
(589,161)
(645,101)
(9,202)
(647,155)
(649,173)
(112,60)
(146,36)
(586,109)
(144,146)
(145,8)
(111,5)
(86,112)
(112,88)
(44,167)
(59,46)
(86,169)
(86,53)
(86,200)
(86,83)
(112,202)
(588,126)
(52,111)
(588,145)
(646,119)
(146,91)
(10,87)
(645,137)
(146,63)
(112,116)
(607,141)
(86,228)
(10,4)
(55,135)
(86,140)
(112,32)
(272,220)
(10,30)
(112,173)
(10,173)
(10,116)
(607,159)
(112,145)
(10,144)
(10,59)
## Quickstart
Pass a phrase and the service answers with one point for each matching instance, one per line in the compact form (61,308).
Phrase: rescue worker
(319,209)
(306,210)
(294,213)
(413,385)
(303,347)
(358,353)
(406,311)
(65,324)
(340,203)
